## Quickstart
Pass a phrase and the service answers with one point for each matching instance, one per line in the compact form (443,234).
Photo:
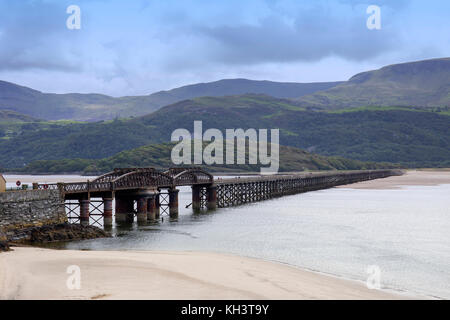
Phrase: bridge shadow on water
(162,224)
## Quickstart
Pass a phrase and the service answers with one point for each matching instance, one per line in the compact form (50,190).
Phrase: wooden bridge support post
(124,209)
(142,209)
(84,212)
(151,208)
(211,197)
(107,212)
(173,202)
(157,206)
(196,197)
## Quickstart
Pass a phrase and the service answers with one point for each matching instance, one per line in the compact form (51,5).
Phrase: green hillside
(158,156)
(407,136)
(12,116)
(421,84)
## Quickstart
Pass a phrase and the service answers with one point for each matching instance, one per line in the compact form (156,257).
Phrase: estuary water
(404,232)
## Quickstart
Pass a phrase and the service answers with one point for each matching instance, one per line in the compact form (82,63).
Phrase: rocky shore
(4,246)
(3,241)
(48,234)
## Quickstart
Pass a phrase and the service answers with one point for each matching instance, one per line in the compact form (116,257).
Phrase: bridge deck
(302,175)
(149,178)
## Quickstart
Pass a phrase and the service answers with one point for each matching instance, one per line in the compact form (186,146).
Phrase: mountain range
(415,84)
(415,133)
(94,107)
(419,84)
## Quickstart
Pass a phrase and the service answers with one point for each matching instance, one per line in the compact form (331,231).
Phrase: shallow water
(340,231)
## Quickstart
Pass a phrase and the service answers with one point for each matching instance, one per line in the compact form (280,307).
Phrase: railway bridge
(147,193)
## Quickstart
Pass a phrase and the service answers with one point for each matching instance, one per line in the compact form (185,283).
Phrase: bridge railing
(75,187)
(49,186)
(336,175)
(130,178)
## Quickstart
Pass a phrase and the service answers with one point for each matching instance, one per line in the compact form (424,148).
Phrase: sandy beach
(35,273)
(410,178)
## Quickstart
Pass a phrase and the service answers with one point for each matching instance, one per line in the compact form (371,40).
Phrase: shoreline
(128,274)
(409,178)
(38,273)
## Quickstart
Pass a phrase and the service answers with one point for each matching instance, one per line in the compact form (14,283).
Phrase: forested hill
(159,156)
(411,137)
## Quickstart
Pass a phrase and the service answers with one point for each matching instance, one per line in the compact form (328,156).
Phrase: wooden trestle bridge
(148,193)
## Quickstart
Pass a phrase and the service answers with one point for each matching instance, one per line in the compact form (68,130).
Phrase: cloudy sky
(142,46)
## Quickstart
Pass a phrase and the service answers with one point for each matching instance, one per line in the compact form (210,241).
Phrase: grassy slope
(12,116)
(422,83)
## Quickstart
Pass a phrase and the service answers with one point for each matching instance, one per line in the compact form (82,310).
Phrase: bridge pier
(84,212)
(196,197)
(142,209)
(124,209)
(173,202)
(151,208)
(107,212)
(211,197)
(157,206)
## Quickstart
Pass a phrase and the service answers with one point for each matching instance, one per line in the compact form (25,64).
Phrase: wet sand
(35,273)
(410,178)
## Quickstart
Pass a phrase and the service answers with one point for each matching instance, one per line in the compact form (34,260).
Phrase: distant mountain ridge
(94,107)
(232,87)
(420,84)
(414,84)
